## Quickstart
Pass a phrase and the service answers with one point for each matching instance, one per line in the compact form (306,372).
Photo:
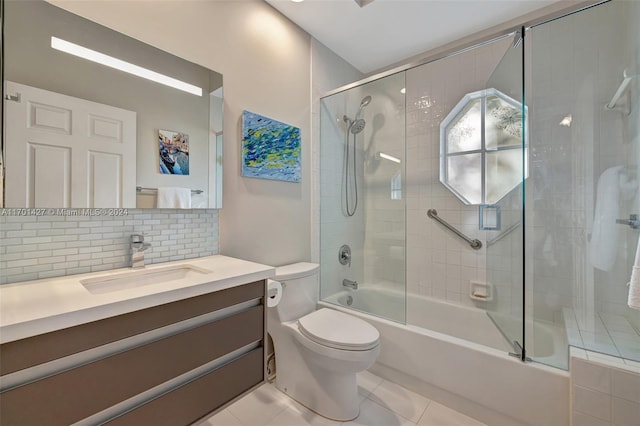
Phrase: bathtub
(456,354)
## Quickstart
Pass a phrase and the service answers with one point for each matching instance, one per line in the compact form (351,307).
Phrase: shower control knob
(344,255)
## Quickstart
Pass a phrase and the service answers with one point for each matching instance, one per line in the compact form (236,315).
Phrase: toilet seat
(338,330)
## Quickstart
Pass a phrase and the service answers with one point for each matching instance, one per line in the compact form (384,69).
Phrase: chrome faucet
(138,246)
(350,284)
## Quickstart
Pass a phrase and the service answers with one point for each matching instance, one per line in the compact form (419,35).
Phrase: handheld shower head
(357,126)
(363,103)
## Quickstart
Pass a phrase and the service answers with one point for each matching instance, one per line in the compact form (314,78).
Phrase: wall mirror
(94,118)
(481,147)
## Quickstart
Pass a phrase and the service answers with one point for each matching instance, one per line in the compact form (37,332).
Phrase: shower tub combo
(453,134)
(425,355)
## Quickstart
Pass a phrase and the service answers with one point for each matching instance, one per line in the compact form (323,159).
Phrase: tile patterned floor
(382,403)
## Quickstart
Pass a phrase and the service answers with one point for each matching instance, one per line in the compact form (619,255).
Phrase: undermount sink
(140,278)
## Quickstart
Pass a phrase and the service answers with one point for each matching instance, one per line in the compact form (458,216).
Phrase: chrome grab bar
(475,243)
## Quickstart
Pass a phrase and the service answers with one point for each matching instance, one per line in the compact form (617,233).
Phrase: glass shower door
(585,98)
(505,154)
(363,198)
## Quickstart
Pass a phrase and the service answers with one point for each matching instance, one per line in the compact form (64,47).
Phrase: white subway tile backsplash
(65,265)
(79,257)
(12,256)
(51,259)
(50,246)
(21,262)
(74,271)
(36,269)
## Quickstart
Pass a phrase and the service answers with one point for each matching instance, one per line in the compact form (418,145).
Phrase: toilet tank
(301,287)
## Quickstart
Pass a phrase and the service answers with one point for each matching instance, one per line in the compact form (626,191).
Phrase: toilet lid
(339,330)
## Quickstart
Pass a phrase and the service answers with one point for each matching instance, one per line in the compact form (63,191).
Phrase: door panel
(68,149)
(49,168)
(505,246)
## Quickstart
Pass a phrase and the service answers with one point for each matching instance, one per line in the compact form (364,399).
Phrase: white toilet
(318,353)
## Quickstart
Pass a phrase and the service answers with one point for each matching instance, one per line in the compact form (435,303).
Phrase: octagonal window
(481,147)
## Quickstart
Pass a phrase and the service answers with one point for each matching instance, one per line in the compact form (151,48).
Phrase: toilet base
(320,378)
(332,395)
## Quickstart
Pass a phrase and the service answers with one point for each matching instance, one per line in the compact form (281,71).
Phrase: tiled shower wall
(439,264)
(51,246)
(605,390)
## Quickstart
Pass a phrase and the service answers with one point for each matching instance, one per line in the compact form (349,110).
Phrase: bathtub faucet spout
(350,284)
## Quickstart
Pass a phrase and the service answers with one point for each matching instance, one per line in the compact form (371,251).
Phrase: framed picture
(270,148)
(174,152)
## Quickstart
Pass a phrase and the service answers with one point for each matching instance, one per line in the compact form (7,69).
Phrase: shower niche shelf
(480,291)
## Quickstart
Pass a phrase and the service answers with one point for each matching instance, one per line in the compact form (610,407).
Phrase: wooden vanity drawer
(25,353)
(75,394)
(196,399)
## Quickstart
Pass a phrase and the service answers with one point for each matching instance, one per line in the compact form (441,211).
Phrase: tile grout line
(425,411)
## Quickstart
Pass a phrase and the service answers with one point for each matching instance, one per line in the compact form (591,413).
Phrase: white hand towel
(604,234)
(174,198)
(634,283)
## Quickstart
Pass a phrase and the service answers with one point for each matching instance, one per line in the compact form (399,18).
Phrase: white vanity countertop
(35,307)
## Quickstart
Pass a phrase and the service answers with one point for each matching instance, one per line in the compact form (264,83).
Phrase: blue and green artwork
(270,149)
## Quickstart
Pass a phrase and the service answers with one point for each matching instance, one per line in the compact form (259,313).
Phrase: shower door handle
(632,222)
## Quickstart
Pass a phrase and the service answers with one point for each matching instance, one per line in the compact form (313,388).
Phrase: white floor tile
(408,404)
(223,418)
(367,382)
(439,415)
(388,404)
(311,417)
(372,414)
(288,417)
(260,406)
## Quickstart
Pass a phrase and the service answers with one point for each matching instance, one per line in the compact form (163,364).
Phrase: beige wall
(265,61)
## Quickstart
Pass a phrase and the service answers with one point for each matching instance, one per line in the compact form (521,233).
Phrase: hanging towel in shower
(604,235)
(634,283)
(174,198)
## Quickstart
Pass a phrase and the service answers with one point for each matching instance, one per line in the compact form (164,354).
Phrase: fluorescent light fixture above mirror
(389,157)
(110,61)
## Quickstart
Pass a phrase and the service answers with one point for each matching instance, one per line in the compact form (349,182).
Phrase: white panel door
(63,151)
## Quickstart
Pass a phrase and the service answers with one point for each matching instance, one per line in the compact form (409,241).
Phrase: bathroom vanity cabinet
(167,364)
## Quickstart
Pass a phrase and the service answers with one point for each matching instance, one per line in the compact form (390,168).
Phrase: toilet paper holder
(274,292)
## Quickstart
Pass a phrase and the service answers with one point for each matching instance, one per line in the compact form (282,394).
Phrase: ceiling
(384,32)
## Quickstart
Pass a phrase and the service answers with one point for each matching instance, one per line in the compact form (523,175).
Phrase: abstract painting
(270,149)
(174,152)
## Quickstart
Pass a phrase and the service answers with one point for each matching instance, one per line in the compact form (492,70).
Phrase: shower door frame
(548,14)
